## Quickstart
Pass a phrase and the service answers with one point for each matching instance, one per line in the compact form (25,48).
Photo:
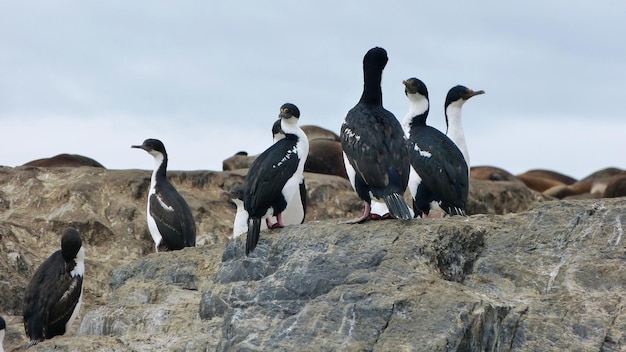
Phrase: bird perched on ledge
(274,178)
(374,146)
(456,97)
(439,174)
(170,220)
(54,294)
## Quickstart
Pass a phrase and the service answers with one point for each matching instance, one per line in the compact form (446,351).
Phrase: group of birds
(382,158)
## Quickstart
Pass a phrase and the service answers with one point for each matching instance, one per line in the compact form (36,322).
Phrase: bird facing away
(439,173)
(457,96)
(170,221)
(275,176)
(54,294)
(374,146)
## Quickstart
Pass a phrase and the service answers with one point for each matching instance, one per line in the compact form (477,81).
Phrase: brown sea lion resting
(538,183)
(315,132)
(602,183)
(241,160)
(491,173)
(549,174)
(325,157)
(616,186)
(64,160)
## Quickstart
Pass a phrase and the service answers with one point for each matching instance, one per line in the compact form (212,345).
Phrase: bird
(295,212)
(275,176)
(374,146)
(54,294)
(456,97)
(240,224)
(439,173)
(170,221)
(3,326)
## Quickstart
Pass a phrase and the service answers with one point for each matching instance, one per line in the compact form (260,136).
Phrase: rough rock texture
(545,276)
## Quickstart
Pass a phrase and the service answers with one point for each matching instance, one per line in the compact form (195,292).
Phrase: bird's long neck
(160,167)
(454,130)
(372,92)
(417,114)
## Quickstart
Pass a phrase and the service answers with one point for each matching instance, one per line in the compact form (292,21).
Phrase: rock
(432,285)
(544,276)
(500,197)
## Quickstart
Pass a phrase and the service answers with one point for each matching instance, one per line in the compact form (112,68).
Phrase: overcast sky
(208,77)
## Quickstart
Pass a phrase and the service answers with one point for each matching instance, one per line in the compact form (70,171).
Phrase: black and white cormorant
(457,96)
(439,173)
(374,147)
(3,327)
(240,224)
(170,220)
(54,294)
(295,212)
(275,176)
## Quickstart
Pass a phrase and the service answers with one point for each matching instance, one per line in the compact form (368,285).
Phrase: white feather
(152,226)
(418,104)
(455,128)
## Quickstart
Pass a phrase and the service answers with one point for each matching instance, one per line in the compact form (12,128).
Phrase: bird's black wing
(62,309)
(44,291)
(374,143)
(178,228)
(268,174)
(441,165)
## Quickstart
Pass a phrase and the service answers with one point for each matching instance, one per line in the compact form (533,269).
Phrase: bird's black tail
(254,227)
(452,210)
(397,206)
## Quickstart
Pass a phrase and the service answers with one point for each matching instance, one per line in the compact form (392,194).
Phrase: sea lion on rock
(549,174)
(64,160)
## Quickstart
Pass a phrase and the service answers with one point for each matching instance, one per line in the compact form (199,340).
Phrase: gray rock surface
(546,276)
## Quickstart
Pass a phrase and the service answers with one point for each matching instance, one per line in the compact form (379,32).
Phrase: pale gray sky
(208,78)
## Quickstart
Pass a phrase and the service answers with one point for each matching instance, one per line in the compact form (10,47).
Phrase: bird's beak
(138,147)
(470,93)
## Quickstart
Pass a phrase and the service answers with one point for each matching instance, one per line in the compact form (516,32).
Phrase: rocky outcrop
(544,276)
